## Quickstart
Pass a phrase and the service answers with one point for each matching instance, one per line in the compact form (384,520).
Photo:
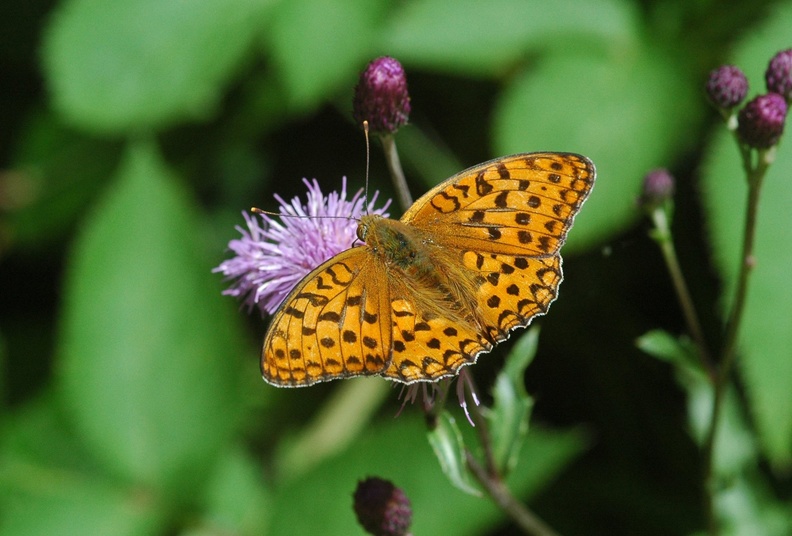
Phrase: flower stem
(490,478)
(482,429)
(755,174)
(500,493)
(396,171)
(663,237)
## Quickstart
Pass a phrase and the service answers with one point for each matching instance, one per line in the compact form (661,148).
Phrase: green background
(132,135)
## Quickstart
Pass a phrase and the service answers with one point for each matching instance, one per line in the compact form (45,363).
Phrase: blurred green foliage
(135,132)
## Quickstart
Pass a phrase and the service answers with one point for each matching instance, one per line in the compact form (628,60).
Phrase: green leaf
(734,448)
(765,350)
(60,174)
(664,346)
(744,500)
(319,46)
(747,506)
(508,417)
(485,38)
(38,433)
(334,426)
(3,380)
(119,67)
(148,346)
(607,107)
(71,505)
(237,501)
(49,484)
(446,441)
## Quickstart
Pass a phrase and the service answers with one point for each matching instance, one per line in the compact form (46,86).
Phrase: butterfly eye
(362,231)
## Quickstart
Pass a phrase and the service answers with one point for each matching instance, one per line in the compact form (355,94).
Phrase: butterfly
(474,258)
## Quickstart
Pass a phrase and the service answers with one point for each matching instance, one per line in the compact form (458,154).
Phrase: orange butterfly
(474,258)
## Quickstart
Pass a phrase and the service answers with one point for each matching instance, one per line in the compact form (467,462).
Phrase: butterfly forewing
(517,205)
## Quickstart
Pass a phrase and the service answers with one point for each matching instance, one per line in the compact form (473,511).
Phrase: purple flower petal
(273,255)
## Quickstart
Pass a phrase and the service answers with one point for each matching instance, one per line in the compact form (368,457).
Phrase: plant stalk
(528,522)
(396,171)
(755,174)
(490,477)
(663,238)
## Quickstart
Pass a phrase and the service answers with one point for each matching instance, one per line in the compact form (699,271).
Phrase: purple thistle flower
(779,74)
(727,86)
(760,123)
(382,509)
(381,96)
(272,255)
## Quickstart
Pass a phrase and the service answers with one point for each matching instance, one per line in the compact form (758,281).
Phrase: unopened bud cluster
(760,122)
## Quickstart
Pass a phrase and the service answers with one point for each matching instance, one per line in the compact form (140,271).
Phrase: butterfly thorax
(411,255)
(400,246)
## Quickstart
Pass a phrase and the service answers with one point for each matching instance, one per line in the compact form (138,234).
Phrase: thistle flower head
(760,123)
(382,509)
(727,86)
(381,96)
(778,75)
(272,255)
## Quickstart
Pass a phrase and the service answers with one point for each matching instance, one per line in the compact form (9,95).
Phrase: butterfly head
(365,225)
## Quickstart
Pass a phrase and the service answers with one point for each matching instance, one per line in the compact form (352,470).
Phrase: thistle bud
(658,187)
(779,74)
(382,509)
(761,122)
(381,96)
(727,87)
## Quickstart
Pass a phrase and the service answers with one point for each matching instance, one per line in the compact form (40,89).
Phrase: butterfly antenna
(368,161)
(257,210)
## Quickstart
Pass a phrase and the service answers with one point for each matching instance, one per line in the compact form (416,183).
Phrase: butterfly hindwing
(510,292)
(427,347)
(331,325)
(513,290)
